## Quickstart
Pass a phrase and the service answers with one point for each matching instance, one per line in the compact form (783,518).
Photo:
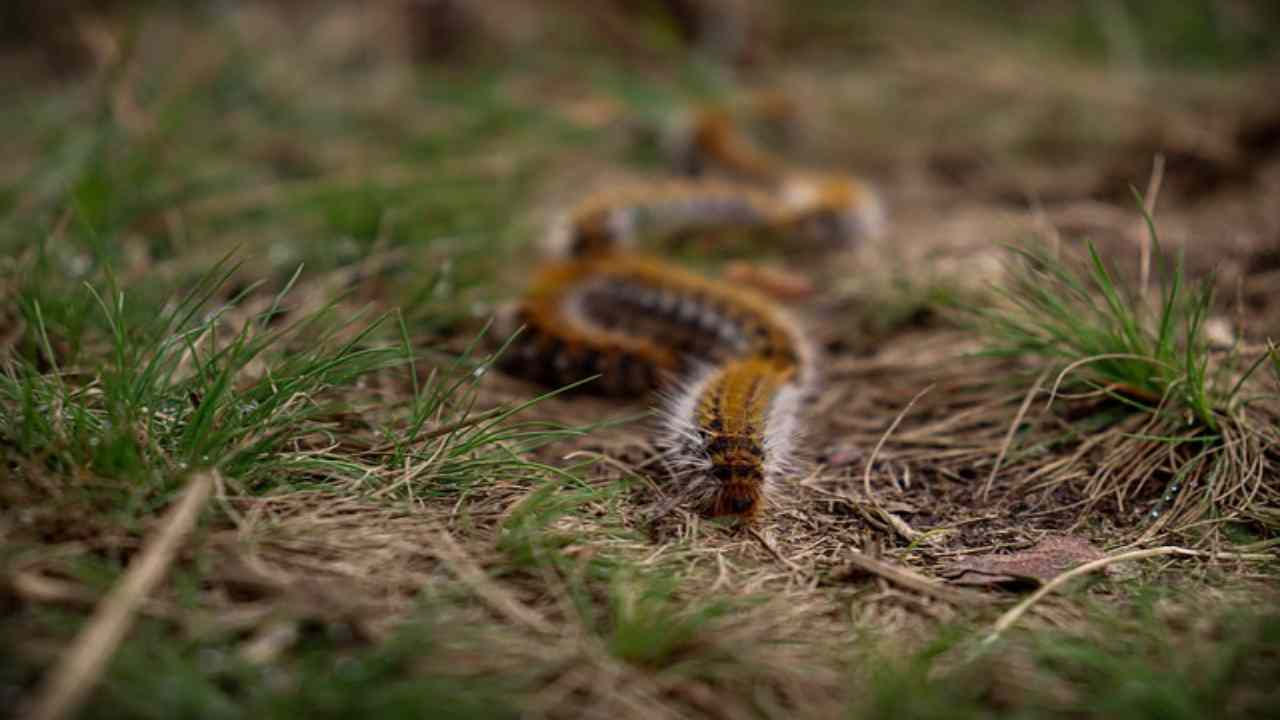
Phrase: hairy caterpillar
(712,140)
(813,212)
(831,211)
(730,433)
(740,365)
(611,221)
(637,321)
(609,313)
(827,210)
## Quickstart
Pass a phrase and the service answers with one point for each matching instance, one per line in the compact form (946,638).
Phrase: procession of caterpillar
(640,324)
(733,367)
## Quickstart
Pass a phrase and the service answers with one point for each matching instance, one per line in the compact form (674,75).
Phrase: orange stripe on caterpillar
(734,322)
(831,210)
(636,320)
(560,346)
(812,211)
(714,139)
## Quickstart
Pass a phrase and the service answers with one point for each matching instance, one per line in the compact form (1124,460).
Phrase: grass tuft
(651,627)
(1112,340)
(1182,414)
(202,384)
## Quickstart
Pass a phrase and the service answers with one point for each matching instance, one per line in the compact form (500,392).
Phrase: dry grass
(408,527)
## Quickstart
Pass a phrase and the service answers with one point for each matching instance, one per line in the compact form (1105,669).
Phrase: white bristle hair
(557,242)
(683,442)
(679,436)
(866,218)
(781,432)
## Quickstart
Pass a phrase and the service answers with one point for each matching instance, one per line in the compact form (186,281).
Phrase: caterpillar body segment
(643,297)
(635,320)
(831,211)
(734,322)
(612,221)
(713,141)
(809,212)
(561,344)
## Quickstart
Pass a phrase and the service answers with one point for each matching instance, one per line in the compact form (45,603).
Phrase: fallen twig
(914,581)
(898,524)
(1013,429)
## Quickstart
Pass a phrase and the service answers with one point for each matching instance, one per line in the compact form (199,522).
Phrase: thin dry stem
(70,682)
(1009,618)
(1145,240)
(912,580)
(1013,429)
(894,521)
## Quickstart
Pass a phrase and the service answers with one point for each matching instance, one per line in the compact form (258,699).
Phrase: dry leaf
(1052,556)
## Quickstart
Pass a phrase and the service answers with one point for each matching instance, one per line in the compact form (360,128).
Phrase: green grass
(1202,33)
(1156,656)
(189,301)
(1091,336)
(1196,34)
(1144,662)
(1085,322)
(1274,352)
(329,674)
(173,394)
(650,626)
(288,275)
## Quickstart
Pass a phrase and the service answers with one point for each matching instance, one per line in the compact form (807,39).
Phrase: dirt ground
(941,483)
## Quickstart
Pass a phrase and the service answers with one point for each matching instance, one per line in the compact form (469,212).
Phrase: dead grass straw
(70,682)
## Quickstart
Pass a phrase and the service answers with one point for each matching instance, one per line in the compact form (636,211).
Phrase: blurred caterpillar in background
(611,221)
(826,209)
(815,213)
(734,364)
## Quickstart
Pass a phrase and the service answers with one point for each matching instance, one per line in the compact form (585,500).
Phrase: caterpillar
(814,212)
(641,323)
(828,210)
(732,366)
(613,220)
(635,320)
(712,140)
(731,432)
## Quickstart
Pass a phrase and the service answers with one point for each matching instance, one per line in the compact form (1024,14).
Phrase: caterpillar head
(832,211)
(738,471)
